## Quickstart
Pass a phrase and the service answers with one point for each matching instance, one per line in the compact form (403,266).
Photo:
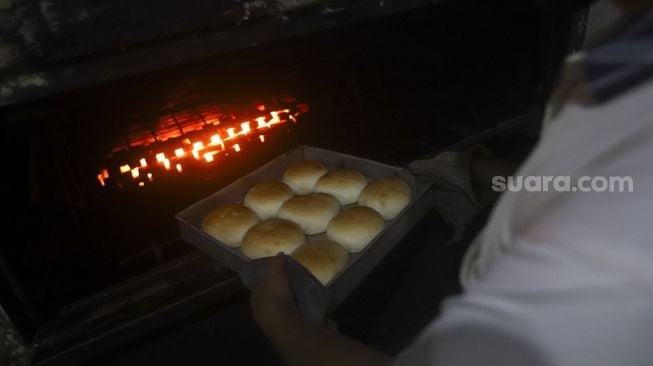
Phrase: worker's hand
(272,301)
(451,170)
(450,173)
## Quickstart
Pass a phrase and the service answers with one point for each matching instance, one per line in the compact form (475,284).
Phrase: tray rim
(419,190)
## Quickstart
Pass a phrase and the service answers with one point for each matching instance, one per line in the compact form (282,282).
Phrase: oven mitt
(450,174)
(311,297)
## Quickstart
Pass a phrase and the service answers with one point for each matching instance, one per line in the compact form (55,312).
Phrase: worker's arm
(483,168)
(300,341)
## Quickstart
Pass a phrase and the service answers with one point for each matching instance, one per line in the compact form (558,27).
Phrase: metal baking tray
(359,265)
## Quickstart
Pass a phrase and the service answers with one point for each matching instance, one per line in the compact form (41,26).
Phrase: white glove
(450,173)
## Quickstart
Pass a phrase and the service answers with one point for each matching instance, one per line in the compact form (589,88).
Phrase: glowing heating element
(199,144)
(275,119)
(261,123)
(216,140)
(244,127)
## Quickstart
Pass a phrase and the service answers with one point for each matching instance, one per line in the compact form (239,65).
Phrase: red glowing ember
(190,135)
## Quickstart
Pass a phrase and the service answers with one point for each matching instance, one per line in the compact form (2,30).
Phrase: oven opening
(130,126)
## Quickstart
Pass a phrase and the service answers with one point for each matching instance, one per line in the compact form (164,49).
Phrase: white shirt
(562,278)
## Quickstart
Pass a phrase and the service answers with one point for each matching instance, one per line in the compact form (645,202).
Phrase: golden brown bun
(387,196)
(344,184)
(312,211)
(266,198)
(229,223)
(323,258)
(271,237)
(355,227)
(301,177)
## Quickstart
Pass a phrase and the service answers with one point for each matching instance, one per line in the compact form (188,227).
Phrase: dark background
(392,82)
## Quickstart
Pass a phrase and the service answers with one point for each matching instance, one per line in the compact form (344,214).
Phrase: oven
(117,115)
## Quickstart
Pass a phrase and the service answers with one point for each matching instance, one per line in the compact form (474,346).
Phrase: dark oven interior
(94,175)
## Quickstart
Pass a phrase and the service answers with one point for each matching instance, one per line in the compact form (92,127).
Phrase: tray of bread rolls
(335,215)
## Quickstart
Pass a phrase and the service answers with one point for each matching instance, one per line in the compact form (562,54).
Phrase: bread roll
(323,258)
(301,177)
(344,184)
(312,212)
(229,223)
(355,227)
(266,198)
(387,196)
(270,237)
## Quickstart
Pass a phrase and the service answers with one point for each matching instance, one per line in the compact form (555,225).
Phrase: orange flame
(261,122)
(244,127)
(222,140)
(231,132)
(275,118)
(216,140)
(141,184)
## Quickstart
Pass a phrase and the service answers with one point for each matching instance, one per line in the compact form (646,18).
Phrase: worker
(561,274)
